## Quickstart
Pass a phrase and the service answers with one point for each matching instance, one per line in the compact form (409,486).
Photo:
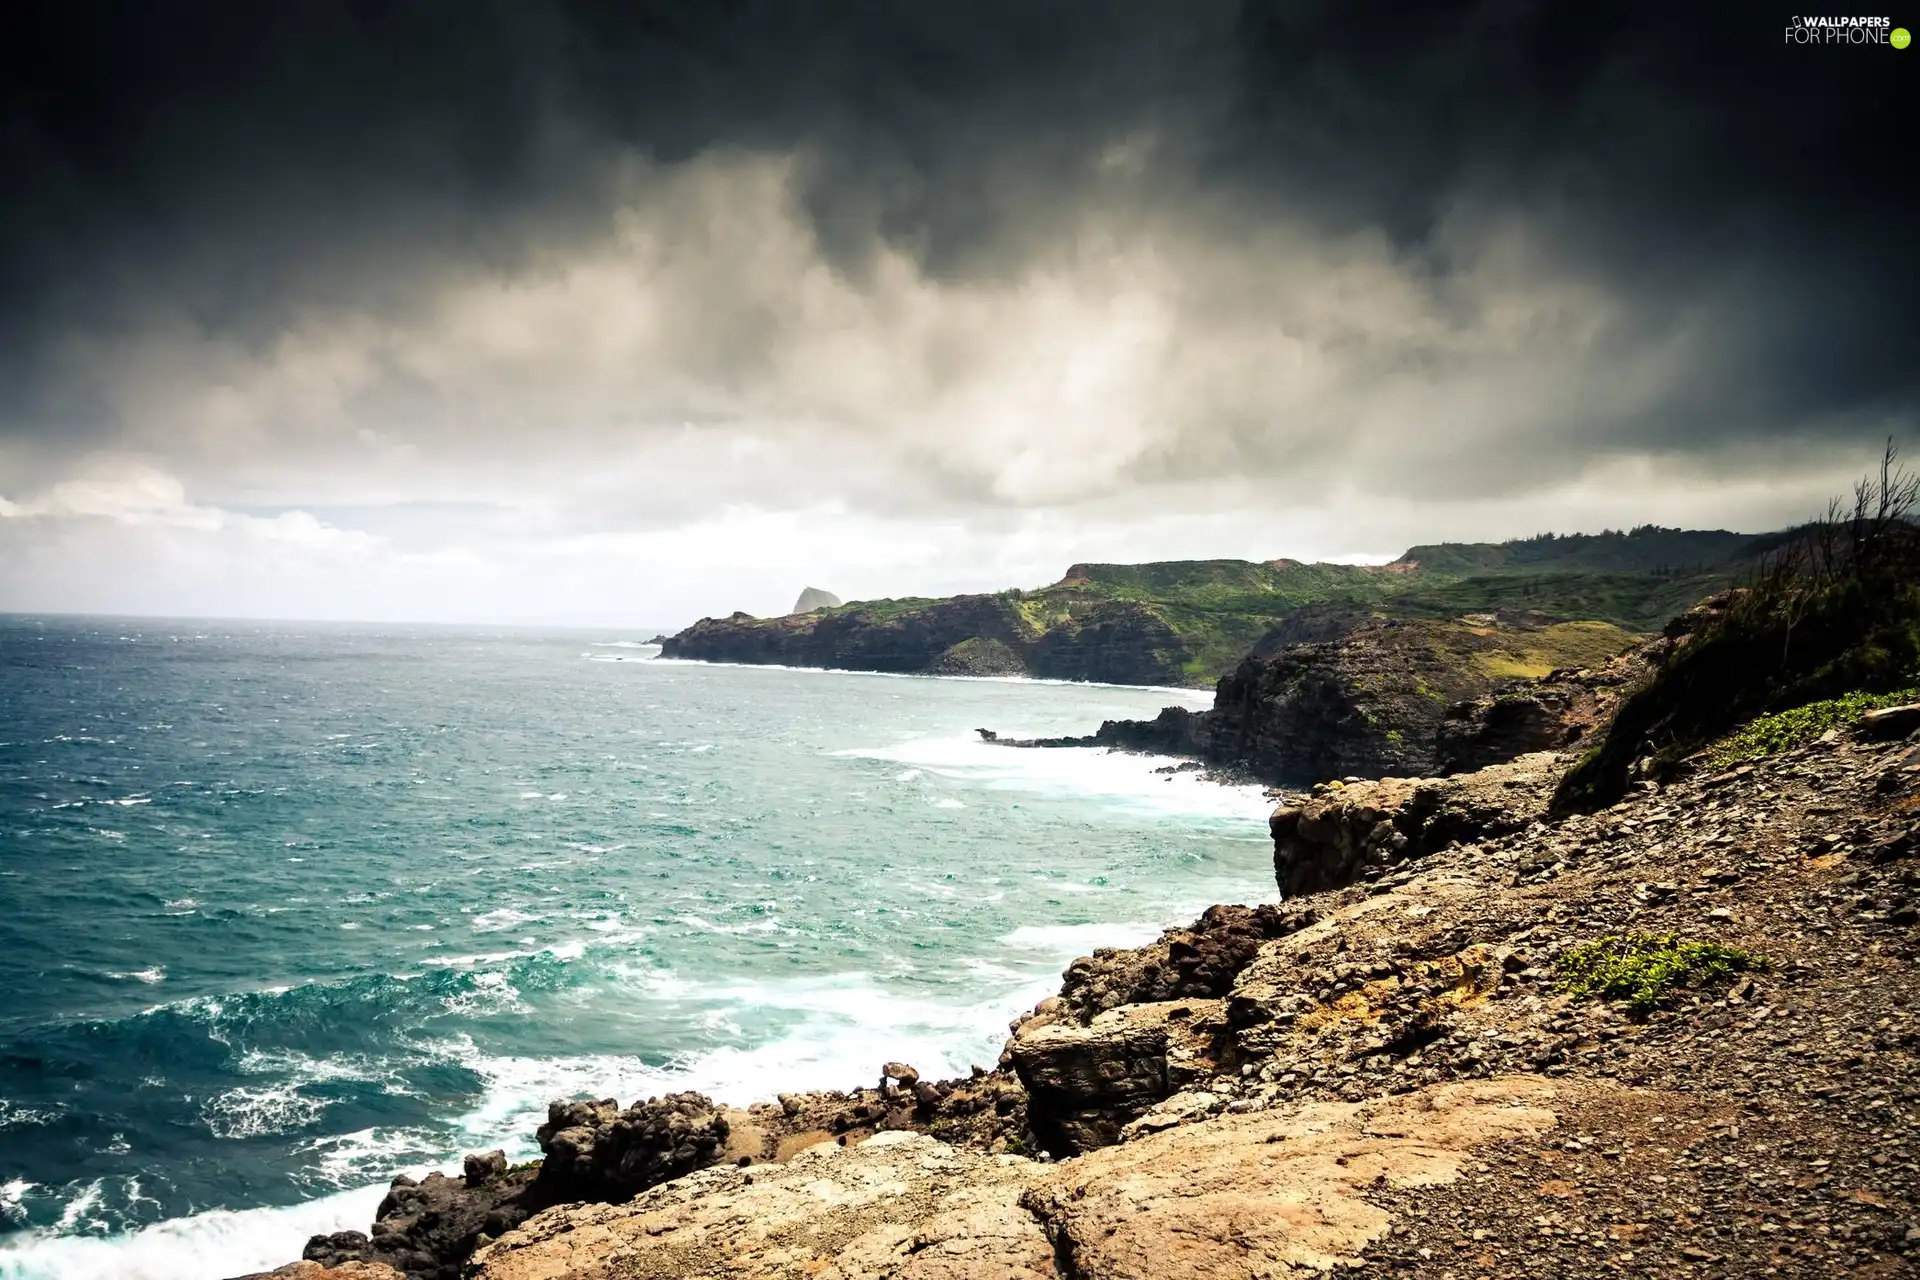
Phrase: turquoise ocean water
(286,909)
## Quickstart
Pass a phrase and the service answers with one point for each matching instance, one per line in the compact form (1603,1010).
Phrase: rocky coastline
(1113,642)
(1386,1071)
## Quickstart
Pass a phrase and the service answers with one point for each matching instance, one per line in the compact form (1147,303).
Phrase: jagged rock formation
(812,598)
(592,1151)
(596,1151)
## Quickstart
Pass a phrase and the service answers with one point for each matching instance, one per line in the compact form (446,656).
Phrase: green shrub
(1833,610)
(1785,730)
(1644,969)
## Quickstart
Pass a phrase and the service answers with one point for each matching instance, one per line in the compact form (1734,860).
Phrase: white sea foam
(1070,940)
(1198,697)
(1121,779)
(82,1210)
(13,1196)
(13,1116)
(347,1160)
(250,1112)
(501,918)
(220,1242)
(158,973)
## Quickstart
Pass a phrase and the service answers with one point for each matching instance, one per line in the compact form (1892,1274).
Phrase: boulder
(1348,832)
(1197,962)
(426,1229)
(595,1151)
(1890,723)
(1086,1083)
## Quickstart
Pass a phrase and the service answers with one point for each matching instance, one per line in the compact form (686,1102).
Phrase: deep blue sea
(288,908)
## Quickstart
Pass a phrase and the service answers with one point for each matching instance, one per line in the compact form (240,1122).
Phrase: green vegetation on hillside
(1833,612)
(1219,610)
(1784,730)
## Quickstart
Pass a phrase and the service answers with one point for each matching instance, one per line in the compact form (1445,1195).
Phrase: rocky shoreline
(1386,1072)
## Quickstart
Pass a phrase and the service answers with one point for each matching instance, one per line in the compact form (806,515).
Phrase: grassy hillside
(1214,612)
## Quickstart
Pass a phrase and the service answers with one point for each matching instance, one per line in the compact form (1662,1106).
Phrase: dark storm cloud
(235,168)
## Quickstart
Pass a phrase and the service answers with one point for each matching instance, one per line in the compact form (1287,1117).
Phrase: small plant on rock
(1645,969)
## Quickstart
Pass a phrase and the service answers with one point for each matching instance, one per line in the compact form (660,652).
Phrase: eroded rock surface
(1354,831)
(1231,1197)
(304,1270)
(899,1206)
(1252,1195)
(1086,1082)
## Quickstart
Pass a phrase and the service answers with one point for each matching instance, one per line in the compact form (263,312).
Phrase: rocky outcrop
(812,598)
(1086,1083)
(425,1229)
(1197,962)
(1388,697)
(857,638)
(1347,832)
(593,1151)
(901,1206)
(977,656)
(1236,1196)
(596,1151)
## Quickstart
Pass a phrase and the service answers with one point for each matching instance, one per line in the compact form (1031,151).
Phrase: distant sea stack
(814,598)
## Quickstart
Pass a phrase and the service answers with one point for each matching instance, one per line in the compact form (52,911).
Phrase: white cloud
(699,412)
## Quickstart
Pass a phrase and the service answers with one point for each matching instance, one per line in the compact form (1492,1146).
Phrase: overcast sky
(629,314)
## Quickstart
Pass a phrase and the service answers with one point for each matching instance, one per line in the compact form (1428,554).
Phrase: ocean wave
(1123,779)
(342,1161)
(158,973)
(249,1112)
(1071,940)
(13,1116)
(12,1197)
(501,918)
(218,1242)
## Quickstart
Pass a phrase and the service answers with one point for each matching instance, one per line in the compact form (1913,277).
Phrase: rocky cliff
(1391,697)
(1116,642)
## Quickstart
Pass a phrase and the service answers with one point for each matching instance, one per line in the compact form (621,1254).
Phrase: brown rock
(1086,1083)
